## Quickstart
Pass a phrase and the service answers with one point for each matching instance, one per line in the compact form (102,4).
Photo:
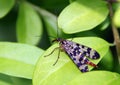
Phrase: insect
(77,52)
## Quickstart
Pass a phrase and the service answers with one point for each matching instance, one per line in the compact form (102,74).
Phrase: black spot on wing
(89,52)
(82,65)
(96,55)
(83,68)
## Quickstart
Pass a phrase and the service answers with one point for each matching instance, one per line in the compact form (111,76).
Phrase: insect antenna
(56,47)
(51,36)
(57,31)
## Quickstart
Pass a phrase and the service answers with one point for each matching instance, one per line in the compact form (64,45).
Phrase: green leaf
(29,25)
(45,72)
(104,25)
(21,81)
(108,58)
(10,80)
(116,18)
(5,80)
(85,34)
(18,59)
(71,1)
(96,78)
(50,21)
(82,15)
(5,7)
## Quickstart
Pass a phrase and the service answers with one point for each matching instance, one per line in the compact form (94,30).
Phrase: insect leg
(57,57)
(52,51)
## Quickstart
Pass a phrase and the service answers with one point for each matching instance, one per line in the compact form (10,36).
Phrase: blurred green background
(27,28)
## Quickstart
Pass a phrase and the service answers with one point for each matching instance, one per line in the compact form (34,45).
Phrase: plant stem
(114,30)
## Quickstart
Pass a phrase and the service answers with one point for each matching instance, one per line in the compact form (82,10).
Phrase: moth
(77,52)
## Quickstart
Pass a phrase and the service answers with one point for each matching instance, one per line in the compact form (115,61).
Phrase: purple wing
(78,54)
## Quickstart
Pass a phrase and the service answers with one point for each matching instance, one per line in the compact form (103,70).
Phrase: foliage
(26,31)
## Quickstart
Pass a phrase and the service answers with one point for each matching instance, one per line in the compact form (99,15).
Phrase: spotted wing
(76,49)
(81,62)
(78,54)
(87,51)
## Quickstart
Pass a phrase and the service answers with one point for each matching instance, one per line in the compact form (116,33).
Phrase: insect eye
(58,39)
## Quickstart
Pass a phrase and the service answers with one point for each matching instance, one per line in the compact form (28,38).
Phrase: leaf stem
(114,29)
